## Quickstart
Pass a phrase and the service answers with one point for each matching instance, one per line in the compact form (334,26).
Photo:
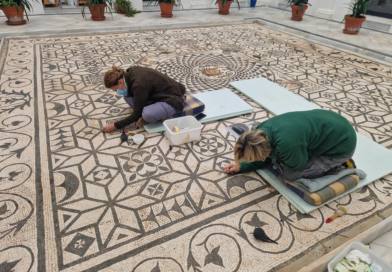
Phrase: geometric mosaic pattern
(73,199)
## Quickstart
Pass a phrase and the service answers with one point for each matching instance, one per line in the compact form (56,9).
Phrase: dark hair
(112,76)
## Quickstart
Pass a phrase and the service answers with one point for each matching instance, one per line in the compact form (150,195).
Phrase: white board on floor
(219,104)
(369,156)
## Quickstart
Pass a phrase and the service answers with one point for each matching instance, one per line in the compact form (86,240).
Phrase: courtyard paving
(73,199)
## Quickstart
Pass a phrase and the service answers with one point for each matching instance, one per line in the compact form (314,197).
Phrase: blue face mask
(122,92)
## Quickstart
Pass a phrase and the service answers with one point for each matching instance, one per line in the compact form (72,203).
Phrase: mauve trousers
(155,112)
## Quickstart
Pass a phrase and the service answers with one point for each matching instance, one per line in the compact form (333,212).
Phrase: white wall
(330,9)
(137,4)
(197,4)
(342,7)
(38,7)
(325,9)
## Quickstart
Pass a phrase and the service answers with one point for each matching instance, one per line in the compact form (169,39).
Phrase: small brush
(338,213)
(123,137)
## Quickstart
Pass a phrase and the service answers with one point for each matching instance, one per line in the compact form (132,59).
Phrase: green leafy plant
(167,1)
(125,6)
(359,8)
(16,3)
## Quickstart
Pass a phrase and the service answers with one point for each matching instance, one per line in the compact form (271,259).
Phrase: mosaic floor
(73,199)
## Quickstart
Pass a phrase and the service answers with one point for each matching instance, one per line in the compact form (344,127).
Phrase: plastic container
(361,247)
(182,130)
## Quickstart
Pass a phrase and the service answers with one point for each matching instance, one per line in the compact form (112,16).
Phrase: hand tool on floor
(123,137)
(338,213)
(239,128)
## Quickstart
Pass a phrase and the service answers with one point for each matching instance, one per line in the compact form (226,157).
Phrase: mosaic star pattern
(72,198)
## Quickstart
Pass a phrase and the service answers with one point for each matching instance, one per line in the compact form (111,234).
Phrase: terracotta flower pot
(14,15)
(352,24)
(297,12)
(224,9)
(97,12)
(166,9)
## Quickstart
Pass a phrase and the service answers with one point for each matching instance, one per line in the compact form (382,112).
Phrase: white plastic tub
(189,130)
(361,247)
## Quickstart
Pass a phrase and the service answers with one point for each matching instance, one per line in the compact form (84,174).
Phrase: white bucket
(182,130)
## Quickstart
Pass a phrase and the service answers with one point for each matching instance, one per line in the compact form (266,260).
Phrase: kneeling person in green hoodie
(303,144)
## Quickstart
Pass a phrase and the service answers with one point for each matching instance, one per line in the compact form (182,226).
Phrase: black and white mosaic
(73,199)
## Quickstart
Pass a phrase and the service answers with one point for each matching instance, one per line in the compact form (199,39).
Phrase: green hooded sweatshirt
(296,137)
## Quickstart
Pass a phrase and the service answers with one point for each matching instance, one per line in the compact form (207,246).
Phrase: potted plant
(14,10)
(166,8)
(354,21)
(224,6)
(97,9)
(124,7)
(298,8)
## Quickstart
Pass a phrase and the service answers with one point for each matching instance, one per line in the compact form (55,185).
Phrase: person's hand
(109,128)
(232,168)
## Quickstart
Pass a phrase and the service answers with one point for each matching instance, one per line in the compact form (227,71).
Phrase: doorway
(380,8)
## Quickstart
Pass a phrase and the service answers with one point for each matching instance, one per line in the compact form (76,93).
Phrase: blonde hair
(252,146)
(112,76)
